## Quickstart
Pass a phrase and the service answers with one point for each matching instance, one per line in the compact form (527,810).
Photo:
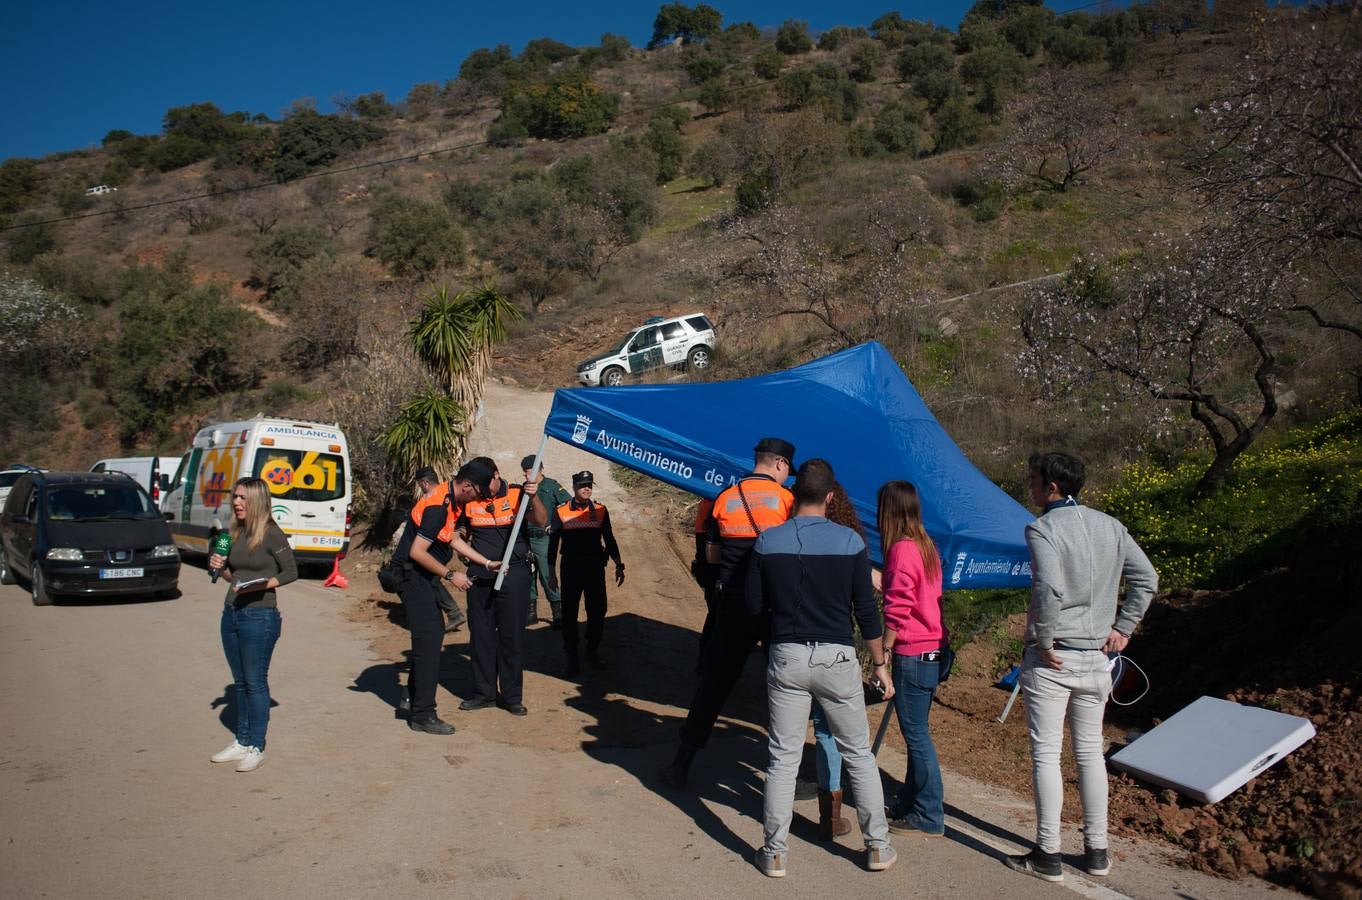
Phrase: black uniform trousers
(725,655)
(578,581)
(496,624)
(427,627)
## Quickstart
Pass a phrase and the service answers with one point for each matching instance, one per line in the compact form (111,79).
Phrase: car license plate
(120,573)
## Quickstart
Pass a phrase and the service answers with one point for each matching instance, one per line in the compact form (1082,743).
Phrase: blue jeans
(248,639)
(825,752)
(922,796)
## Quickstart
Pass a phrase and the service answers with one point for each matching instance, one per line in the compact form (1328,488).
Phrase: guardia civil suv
(679,341)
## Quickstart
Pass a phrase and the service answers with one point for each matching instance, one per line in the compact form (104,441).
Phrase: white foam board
(1211,747)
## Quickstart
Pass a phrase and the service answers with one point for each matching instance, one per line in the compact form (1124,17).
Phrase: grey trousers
(795,676)
(1080,689)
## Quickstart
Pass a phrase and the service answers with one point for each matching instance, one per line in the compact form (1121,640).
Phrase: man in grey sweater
(1074,627)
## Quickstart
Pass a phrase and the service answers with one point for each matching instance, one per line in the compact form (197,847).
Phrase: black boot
(674,775)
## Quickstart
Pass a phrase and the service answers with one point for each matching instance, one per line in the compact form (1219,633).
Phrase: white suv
(679,341)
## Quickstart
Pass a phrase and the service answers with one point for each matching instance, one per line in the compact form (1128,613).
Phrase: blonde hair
(257,512)
(900,518)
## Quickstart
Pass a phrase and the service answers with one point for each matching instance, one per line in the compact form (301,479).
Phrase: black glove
(619,574)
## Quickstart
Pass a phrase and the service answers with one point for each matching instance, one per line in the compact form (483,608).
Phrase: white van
(305,464)
(151,472)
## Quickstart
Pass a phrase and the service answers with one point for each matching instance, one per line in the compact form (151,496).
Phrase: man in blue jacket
(813,576)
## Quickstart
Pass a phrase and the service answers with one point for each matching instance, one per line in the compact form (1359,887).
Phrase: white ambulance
(306,466)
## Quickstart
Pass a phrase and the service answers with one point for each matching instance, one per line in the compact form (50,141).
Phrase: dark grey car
(85,533)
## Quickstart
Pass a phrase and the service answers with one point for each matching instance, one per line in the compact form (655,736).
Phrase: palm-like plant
(428,432)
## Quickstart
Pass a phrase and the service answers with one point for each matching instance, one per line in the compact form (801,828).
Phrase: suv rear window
(90,502)
(700,323)
(301,474)
(672,330)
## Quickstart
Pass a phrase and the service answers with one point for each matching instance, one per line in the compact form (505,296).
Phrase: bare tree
(1281,168)
(1192,329)
(327,200)
(336,307)
(259,208)
(1062,127)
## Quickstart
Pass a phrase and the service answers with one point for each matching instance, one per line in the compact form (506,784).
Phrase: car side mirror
(168,516)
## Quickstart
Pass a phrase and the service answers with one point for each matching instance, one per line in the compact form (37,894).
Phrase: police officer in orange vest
(496,618)
(758,501)
(423,555)
(583,533)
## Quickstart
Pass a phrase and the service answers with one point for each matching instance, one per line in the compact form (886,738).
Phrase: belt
(1059,646)
(929,656)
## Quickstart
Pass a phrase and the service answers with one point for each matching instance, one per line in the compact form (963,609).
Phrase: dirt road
(112,710)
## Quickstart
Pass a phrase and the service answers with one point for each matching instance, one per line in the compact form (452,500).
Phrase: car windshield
(619,348)
(90,502)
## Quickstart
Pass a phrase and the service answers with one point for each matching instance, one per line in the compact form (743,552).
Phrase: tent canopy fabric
(856,409)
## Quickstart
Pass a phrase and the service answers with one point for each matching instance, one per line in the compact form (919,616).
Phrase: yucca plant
(429,431)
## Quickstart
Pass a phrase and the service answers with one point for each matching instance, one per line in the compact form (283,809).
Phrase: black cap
(778,446)
(479,473)
(582,478)
(527,461)
(426,473)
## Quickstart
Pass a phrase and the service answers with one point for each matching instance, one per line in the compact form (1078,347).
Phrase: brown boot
(830,821)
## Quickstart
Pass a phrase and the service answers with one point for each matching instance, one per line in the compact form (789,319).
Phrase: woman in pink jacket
(915,635)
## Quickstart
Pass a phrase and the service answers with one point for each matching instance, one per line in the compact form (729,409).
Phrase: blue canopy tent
(855,409)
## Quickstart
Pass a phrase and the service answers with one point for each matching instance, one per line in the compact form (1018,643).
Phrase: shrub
(793,37)
(827,86)
(1069,46)
(957,124)
(282,393)
(701,65)
(308,140)
(485,68)
(866,59)
(80,277)
(938,87)
(664,139)
(19,182)
(921,60)
(838,35)
(899,128)
(31,241)
(278,260)
(767,63)
(546,51)
(1026,29)
(1121,52)
(473,200)
(412,237)
(570,106)
(715,95)
(373,106)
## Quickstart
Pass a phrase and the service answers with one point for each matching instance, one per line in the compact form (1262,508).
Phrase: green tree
(1027,28)
(422,100)
(825,85)
(938,87)
(428,431)
(19,182)
(308,140)
(793,37)
(485,68)
(676,20)
(901,128)
(373,106)
(701,65)
(716,95)
(1070,46)
(838,36)
(665,140)
(412,237)
(543,52)
(957,124)
(767,63)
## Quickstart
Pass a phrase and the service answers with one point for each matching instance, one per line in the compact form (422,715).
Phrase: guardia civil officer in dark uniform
(704,572)
(757,502)
(582,533)
(496,618)
(423,554)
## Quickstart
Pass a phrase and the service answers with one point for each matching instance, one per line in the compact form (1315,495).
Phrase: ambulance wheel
(612,376)
(698,358)
(38,585)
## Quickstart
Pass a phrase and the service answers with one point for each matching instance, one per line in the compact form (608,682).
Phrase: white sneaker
(252,760)
(231,753)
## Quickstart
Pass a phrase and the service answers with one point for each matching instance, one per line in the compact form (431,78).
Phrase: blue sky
(77,68)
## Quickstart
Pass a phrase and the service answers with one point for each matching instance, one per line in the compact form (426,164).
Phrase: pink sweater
(912,601)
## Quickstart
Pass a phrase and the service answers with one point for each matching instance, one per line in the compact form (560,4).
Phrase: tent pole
(520,516)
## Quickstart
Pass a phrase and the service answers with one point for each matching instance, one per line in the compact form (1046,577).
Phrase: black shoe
(1095,862)
(431,726)
(901,825)
(515,709)
(473,703)
(1042,865)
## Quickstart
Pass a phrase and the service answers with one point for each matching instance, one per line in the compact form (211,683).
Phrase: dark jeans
(496,624)
(248,639)
(579,581)
(730,644)
(420,599)
(920,801)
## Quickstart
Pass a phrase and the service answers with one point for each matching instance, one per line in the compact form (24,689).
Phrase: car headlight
(65,554)
(163,550)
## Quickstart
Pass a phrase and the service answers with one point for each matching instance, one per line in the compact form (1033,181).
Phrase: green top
(272,559)
(553,496)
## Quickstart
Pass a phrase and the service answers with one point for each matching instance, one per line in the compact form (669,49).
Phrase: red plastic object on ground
(336,579)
